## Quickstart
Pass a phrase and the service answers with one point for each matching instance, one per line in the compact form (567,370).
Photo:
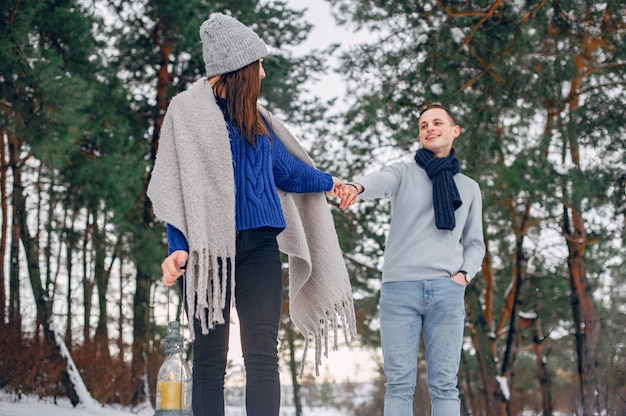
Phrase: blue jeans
(258,293)
(436,308)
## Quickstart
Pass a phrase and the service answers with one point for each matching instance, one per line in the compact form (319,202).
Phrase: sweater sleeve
(473,242)
(381,184)
(293,175)
(175,240)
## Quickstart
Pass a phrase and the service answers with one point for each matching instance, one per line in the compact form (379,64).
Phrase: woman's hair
(241,90)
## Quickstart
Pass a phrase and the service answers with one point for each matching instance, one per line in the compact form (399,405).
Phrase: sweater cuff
(329,178)
(175,240)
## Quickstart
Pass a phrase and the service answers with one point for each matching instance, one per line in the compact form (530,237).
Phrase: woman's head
(233,56)
(228,45)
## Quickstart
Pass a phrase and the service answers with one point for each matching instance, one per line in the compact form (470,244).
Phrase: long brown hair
(241,88)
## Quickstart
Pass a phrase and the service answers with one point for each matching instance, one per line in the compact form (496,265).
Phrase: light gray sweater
(415,249)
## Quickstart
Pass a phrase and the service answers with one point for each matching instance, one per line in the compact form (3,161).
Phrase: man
(433,250)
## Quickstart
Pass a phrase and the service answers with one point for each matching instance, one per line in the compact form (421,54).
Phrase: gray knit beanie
(228,45)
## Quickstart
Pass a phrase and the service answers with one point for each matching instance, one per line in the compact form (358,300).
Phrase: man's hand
(459,278)
(174,266)
(350,194)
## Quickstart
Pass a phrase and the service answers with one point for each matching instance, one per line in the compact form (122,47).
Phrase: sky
(324,33)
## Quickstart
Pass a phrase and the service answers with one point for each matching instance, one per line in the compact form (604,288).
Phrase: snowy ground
(35,407)
(11,405)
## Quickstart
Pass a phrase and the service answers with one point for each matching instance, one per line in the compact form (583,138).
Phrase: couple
(235,189)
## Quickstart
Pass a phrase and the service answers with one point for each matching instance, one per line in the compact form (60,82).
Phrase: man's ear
(456,131)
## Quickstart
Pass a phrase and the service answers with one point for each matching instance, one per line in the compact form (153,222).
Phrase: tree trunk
(545,380)
(480,334)
(140,330)
(101,280)
(71,242)
(120,322)
(70,245)
(15,317)
(587,328)
(4,216)
(487,269)
(508,360)
(87,282)
(509,313)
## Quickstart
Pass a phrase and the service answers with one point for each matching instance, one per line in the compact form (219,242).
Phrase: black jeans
(258,298)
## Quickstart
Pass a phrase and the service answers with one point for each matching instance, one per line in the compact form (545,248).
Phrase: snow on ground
(10,405)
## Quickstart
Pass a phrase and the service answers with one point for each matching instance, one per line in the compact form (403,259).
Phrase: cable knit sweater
(258,171)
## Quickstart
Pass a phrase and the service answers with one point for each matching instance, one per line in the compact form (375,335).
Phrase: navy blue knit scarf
(446,198)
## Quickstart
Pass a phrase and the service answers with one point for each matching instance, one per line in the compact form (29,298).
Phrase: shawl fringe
(341,316)
(206,298)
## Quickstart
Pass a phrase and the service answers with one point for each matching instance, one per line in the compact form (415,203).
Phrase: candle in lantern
(174,378)
(170,395)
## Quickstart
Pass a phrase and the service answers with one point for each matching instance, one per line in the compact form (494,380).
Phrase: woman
(234,188)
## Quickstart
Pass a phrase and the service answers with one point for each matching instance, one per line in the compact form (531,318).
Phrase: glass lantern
(174,378)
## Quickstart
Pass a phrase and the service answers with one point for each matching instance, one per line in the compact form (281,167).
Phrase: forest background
(539,89)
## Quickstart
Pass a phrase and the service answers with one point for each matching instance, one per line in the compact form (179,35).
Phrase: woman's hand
(174,266)
(337,190)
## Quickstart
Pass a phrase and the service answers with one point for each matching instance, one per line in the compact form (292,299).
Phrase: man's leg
(444,321)
(400,327)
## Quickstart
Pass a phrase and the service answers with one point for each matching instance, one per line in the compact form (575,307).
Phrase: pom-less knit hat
(228,45)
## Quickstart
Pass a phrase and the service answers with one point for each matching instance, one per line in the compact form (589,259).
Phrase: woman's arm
(293,175)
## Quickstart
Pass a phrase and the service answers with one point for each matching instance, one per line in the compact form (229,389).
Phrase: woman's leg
(258,298)
(209,365)
(209,368)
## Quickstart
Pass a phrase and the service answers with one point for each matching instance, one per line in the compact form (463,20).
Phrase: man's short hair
(448,112)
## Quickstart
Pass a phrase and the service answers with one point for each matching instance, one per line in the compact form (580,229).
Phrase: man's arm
(376,185)
(473,241)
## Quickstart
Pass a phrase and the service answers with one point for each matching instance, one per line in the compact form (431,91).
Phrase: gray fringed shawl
(192,188)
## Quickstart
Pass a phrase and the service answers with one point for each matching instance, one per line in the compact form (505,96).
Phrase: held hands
(173,266)
(337,190)
(350,194)
(347,193)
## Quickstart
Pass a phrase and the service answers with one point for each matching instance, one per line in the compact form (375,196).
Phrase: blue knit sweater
(258,171)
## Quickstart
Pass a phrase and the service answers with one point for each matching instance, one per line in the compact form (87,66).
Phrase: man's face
(437,132)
